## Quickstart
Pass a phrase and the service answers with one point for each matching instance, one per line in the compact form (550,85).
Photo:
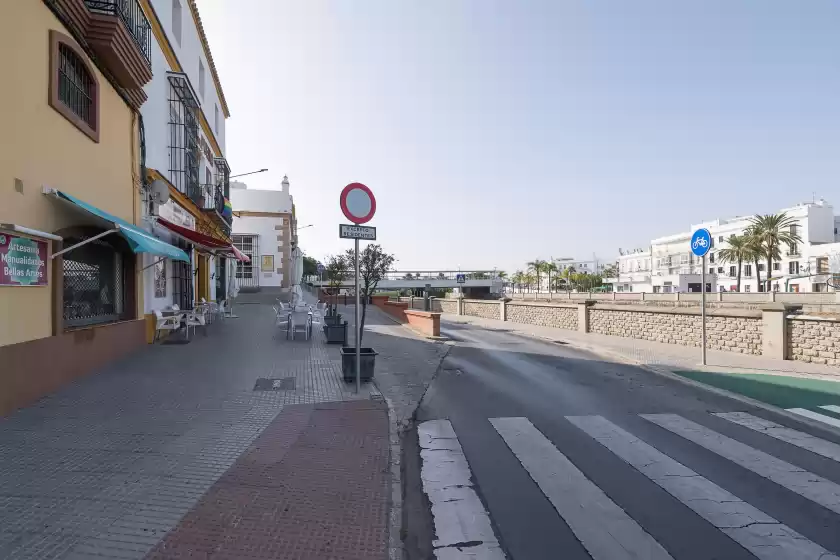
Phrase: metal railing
(131,14)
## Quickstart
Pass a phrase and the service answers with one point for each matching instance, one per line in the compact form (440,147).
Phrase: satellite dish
(160,191)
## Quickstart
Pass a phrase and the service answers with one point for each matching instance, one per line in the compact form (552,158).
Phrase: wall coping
(717,312)
(567,305)
(418,313)
(814,318)
(487,301)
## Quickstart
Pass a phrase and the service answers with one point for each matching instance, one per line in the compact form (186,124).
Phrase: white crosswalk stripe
(806,484)
(832,408)
(756,531)
(800,439)
(815,416)
(603,528)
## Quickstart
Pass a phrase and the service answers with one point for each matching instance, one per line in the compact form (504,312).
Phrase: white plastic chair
(300,322)
(171,323)
(281,319)
(195,318)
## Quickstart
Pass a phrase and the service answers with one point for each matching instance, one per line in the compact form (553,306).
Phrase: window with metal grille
(74,89)
(184,152)
(94,284)
(245,272)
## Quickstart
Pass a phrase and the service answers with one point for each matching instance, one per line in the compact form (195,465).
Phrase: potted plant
(336,271)
(373,264)
(336,334)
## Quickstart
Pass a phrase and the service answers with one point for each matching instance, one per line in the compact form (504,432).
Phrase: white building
(669,266)
(183,123)
(265,229)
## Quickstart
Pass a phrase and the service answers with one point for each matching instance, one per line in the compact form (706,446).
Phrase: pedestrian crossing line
(802,440)
(831,408)
(798,480)
(762,535)
(815,416)
(603,528)
(462,525)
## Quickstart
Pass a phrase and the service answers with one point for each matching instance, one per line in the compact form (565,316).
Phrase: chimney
(285,184)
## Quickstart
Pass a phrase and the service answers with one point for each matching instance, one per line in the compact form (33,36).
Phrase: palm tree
(517,279)
(755,253)
(548,268)
(529,280)
(536,266)
(568,274)
(770,231)
(737,251)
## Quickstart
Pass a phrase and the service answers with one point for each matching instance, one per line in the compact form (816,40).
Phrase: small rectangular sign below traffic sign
(346,231)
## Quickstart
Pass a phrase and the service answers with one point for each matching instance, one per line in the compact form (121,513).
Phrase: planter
(348,363)
(333,319)
(336,334)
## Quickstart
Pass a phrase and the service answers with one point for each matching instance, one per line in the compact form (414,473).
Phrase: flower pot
(336,334)
(333,319)
(348,363)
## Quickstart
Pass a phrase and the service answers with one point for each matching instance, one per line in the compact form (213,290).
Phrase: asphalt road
(571,456)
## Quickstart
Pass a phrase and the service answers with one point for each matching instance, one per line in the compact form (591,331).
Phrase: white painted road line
(462,525)
(603,528)
(815,416)
(806,484)
(756,531)
(831,408)
(799,439)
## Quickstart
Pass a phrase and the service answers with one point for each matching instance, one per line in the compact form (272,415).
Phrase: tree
(518,278)
(737,251)
(610,271)
(408,276)
(548,268)
(754,252)
(374,263)
(336,270)
(441,276)
(528,280)
(770,231)
(310,266)
(479,276)
(536,266)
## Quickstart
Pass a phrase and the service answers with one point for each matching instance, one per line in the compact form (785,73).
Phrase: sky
(495,132)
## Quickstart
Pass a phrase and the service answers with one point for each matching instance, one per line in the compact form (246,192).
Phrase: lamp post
(249,173)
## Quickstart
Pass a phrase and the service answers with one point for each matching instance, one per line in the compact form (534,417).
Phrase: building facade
(669,266)
(265,229)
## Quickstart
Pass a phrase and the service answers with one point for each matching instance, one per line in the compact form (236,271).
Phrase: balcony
(120,34)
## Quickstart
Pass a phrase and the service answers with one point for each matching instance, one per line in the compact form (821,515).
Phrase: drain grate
(269,384)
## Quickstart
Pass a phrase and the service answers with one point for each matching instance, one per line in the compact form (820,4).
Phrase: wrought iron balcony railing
(131,14)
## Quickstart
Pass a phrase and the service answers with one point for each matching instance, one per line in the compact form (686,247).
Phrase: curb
(667,373)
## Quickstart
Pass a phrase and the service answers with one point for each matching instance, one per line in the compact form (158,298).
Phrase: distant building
(265,229)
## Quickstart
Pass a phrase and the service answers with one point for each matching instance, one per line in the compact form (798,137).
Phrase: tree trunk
(362,322)
(757,276)
(769,267)
(739,275)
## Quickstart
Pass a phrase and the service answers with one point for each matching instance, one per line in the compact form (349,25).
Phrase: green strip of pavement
(781,391)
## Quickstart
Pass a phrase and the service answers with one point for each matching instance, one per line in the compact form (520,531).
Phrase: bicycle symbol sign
(701,242)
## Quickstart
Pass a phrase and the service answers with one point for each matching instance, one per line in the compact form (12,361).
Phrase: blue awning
(140,241)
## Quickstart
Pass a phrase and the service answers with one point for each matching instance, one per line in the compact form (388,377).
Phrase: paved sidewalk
(177,437)
(670,356)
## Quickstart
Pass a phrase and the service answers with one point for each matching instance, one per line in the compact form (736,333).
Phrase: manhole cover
(269,384)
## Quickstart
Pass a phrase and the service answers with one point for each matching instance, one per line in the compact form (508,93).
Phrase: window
(822,265)
(711,257)
(747,288)
(711,270)
(216,119)
(176,20)
(793,267)
(711,242)
(748,270)
(720,270)
(761,267)
(201,80)
(777,266)
(733,271)
(74,89)
(794,248)
(245,272)
(720,239)
(684,259)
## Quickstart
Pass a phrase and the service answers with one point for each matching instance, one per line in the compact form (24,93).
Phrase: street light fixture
(249,173)
(306,226)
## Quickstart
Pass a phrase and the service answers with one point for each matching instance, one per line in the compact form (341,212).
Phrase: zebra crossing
(603,528)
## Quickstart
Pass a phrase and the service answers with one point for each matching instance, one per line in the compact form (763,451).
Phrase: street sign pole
(358,326)
(703,306)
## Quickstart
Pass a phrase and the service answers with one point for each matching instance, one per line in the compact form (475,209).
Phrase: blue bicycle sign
(701,242)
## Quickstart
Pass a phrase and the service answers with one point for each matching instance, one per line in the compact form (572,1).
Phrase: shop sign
(23,261)
(175,213)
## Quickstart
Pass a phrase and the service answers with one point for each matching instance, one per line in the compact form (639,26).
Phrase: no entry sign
(358,203)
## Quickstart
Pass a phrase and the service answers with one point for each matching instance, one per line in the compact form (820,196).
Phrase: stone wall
(485,309)
(561,317)
(733,331)
(814,340)
(445,305)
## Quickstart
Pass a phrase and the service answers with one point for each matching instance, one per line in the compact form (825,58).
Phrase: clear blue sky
(494,132)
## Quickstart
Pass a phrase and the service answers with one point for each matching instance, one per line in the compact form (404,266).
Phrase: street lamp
(249,173)
(306,226)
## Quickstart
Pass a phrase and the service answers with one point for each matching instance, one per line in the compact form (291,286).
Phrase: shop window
(74,89)
(94,281)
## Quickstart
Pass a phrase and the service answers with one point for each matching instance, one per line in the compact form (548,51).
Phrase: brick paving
(313,485)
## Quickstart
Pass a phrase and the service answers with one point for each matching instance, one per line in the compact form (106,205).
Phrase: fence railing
(726,297)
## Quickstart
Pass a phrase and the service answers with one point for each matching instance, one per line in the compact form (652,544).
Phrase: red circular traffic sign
(358,203)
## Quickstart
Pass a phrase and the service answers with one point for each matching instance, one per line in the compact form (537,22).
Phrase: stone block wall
(565,317)
(723,332)
(445,306)
(485,309)
(814,340)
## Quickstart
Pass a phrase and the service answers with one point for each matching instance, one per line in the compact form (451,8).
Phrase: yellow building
(71,294)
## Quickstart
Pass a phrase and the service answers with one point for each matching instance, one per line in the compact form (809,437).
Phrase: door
(203,278)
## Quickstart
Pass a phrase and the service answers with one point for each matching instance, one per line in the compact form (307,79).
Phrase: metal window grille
(75,85)
(94,284)
(247,274)
(182,281)
(184,152)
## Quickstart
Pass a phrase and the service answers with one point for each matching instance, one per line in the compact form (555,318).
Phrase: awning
(204,242)
(138,240)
